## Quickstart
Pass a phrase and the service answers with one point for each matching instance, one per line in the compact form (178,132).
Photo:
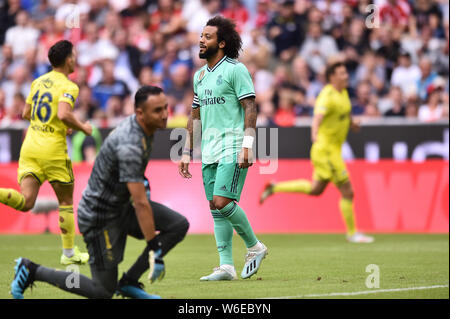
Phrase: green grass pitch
(298,266)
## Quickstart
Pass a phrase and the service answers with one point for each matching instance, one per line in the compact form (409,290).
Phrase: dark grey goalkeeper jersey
(123,158)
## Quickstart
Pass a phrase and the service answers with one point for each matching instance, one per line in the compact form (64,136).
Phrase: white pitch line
(356,293)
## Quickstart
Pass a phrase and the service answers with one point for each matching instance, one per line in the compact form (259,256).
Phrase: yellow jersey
(336,108)
(46,135)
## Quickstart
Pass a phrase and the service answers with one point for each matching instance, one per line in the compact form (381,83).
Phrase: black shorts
(106,245)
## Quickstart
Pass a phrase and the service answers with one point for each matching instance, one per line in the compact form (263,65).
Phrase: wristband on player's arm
(248,141)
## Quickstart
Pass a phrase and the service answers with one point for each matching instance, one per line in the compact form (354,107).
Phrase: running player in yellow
(331,122)
(43,155)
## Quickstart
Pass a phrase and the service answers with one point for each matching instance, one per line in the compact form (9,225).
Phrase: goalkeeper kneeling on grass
(116,203)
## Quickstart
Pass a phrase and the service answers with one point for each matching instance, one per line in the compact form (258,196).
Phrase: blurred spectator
(426,79)
(85,148)
(167,19)
(22,36)
(284,31)
(128,59)
(395,13)
(19,83)
(14,112)
(406,75)
(362,99)
(386,42)
(422,10)
(262,15)
(146,76)
(85,105)
(166,65)
(393,105)
(138,35)
(317,48)
(236,11)
(285,115)
(370,70)
(371,111)
(109,86)
(180,84)
(88,49)
(266,114)
(256,48)
(41,12)
(114,107)
(132,12)
(301,106)
(202,10)
(411,110)
(8,11)
(433,110)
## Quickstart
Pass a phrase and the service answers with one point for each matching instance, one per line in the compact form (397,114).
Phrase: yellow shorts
(328,165)
(45,169)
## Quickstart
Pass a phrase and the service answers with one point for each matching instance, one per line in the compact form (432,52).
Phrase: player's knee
(181,229)
(220,202)
(211,205)
(316,191)
(29,204)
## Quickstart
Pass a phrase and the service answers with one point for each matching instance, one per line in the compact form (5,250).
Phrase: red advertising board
(389,197)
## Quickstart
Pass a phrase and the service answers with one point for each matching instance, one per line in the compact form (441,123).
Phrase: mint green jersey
(217,92)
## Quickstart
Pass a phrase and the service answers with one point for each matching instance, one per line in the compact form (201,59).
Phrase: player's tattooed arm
(192,128)
(246,154)
(249,105)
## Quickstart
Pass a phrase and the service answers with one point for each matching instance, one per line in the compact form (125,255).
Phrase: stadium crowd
(396,51)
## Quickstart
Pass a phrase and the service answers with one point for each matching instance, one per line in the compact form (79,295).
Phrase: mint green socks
(233,213)
(223,232)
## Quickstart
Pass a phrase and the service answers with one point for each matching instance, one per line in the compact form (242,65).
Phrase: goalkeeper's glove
(156,263)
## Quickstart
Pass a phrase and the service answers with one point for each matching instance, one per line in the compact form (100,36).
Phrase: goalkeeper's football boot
(224,272)
(360,238)
(253,260)
(23,277)
(130,288)
(78,258)
(266,192)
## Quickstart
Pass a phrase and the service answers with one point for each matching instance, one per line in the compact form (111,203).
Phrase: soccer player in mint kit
(224,103)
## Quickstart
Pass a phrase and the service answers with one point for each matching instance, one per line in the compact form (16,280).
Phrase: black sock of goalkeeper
(141,265)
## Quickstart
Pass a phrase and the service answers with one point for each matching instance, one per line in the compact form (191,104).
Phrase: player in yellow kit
(331,122)
(43,155)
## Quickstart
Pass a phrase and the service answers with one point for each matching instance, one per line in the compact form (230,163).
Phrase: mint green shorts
(223,179)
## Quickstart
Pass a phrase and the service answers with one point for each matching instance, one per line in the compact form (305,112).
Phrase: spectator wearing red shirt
(236,11)
(262,13)
(395,13)
(167,18)
(285,115)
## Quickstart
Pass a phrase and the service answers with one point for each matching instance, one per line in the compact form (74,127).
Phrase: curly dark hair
(226,31)
(59,52)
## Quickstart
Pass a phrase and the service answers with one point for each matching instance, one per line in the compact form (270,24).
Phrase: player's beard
(209,52)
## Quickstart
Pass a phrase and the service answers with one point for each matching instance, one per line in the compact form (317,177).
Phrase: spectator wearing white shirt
(317,48)
(433,110)
(406,75)
(19,82)
(21,37)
